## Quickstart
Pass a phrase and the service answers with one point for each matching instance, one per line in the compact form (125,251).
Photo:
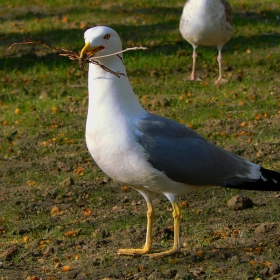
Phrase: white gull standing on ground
(150,153)
(206,23)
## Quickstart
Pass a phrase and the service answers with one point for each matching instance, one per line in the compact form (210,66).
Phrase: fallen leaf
(200,253)
(25,239)
(125,189)
(249,249)
(116,208)
(82,25)
(258,117)
(30,183)
(64,19)
(79,171)
(58,265)
(171,228)
(265,114)
(34,278)
(266,263)
(140,268)
(71,233)
(185,204)
(66,268)
(173,261)
(258,249)
(87,212)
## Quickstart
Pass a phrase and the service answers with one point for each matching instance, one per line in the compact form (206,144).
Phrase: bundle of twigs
(75,57)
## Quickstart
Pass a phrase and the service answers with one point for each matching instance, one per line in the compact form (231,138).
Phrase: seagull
(206,23)
(150,153)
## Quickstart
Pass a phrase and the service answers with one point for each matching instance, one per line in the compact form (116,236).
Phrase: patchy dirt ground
(68,220)
(62,218)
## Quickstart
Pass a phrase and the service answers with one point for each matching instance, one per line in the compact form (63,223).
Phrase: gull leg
(176,245)
(147,247)
(193,77)
(220,80)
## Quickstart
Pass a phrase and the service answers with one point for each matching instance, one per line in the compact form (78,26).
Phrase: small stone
(49,250)
(240,202)
(234,259)
(9,253)
(23,230)
(81,276)
(198,272)
(155,275)
(264,228)
(34,244)
(264,272)
(273,269)
(79,242)
(171,273)
(105,233)
(67,182)
(72,274)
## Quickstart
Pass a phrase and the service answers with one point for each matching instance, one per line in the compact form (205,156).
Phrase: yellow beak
(85,48)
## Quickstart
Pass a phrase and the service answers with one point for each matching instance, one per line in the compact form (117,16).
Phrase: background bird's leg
(220,79)
(193,77)
(176,244)
(147,247)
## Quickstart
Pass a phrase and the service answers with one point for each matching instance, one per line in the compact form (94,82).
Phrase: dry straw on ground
(75,57)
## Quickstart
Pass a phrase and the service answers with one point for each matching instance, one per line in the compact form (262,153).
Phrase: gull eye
(107,36)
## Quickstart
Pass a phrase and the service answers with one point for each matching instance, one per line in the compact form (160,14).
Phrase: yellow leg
(176,246)
(147,247)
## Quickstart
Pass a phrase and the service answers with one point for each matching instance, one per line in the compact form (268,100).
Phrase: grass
(43,112)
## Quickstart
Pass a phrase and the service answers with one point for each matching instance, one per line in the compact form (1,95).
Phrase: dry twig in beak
(75,57)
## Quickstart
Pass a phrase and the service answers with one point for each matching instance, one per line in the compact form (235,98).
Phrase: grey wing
(186,157)
(228,11)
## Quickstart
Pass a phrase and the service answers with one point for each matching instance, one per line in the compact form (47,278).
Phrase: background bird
(150,153)
(206,23)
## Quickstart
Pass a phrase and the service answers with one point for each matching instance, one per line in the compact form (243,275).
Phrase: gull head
(101,40)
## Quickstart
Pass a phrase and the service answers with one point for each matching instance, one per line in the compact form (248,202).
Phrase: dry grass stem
(75,57)
(271,34)
(126,50)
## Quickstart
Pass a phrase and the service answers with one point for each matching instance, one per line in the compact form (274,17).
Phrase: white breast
(111,129)
(204,22)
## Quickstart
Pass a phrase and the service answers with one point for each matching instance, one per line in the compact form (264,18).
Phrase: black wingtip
(271,178)
(268,181)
